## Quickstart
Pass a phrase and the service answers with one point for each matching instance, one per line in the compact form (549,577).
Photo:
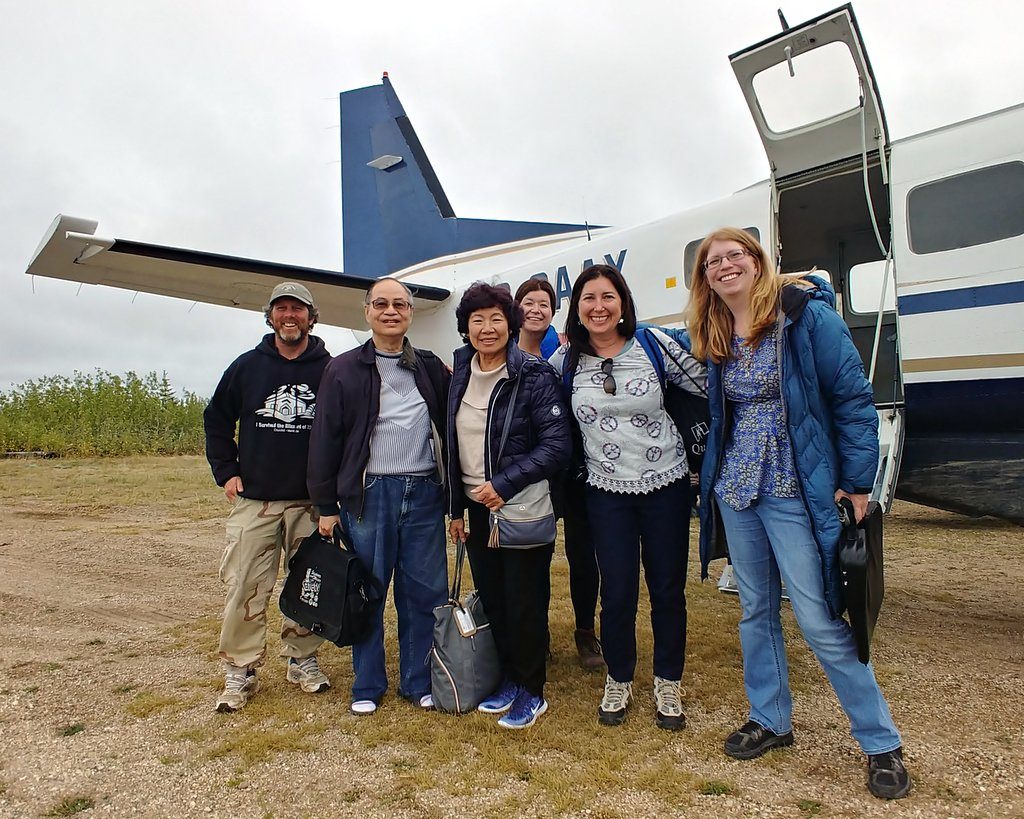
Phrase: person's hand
(860,503)
(233,488)
(486,495)
(327,523)
(457,530)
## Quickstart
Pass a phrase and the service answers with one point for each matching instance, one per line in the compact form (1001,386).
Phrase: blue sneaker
(526,707)
(501,700)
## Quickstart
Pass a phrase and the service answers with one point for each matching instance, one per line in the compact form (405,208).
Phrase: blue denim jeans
(771,542)
(401,533)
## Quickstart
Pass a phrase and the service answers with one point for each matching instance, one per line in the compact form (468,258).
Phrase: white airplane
(922,238)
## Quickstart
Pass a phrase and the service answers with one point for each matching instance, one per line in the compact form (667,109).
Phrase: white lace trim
(641,486)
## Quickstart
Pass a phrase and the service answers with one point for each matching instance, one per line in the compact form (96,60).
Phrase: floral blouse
(758,457)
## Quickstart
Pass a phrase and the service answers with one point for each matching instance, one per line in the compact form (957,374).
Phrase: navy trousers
(653,529)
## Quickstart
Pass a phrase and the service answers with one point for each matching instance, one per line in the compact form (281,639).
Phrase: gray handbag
(464,664)
(527,520)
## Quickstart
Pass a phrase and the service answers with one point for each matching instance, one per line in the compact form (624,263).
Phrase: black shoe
(752,740)
(887,775)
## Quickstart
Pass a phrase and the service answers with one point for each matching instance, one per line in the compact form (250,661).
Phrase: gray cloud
(214,127)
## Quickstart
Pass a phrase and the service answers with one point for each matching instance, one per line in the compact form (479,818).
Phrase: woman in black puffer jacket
(483,475)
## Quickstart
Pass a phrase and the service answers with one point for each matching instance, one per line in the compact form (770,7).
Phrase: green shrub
(101,414)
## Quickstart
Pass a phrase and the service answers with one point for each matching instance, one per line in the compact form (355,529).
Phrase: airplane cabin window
(690,254)
(968,209)
(865,287)
(825,84)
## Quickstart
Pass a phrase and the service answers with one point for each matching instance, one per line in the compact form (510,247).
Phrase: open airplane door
(815,103)
(812,94)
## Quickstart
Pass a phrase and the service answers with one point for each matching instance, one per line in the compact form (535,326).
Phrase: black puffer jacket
(539,441)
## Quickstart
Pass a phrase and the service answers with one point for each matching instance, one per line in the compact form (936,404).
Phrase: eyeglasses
(401,305)
(733,256)
(609,379)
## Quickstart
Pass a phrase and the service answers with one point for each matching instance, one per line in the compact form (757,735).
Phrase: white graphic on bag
(556,410)
(289,403)
(310,594)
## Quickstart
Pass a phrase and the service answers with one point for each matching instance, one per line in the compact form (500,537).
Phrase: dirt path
(108,620)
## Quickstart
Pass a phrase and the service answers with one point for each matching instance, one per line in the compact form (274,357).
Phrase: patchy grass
(71,730)
(147,703)
(715,787)
(70,805)
(811,807)
(252,744)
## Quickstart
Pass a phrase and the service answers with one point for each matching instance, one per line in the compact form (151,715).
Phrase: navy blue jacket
(831,418)
(538,443)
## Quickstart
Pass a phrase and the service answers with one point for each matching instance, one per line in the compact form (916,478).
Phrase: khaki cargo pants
(258,532)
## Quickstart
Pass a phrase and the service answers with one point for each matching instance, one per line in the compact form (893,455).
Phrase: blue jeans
(653,529)
(401,533)
(771,540)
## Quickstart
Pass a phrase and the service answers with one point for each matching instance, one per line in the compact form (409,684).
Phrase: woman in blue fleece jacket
(793,429)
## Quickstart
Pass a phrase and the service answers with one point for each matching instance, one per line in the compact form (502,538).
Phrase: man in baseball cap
(269,394)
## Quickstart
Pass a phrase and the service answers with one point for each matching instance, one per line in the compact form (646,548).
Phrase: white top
(471,421)
(630,442)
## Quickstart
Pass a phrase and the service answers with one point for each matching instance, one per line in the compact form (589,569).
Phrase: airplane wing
(70,250)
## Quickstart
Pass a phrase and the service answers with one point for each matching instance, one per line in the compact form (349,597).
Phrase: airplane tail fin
(394,211)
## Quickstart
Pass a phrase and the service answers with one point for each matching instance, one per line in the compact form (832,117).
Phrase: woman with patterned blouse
(637,487)
(793,429)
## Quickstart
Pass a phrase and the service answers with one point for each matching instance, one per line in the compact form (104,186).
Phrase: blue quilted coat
(831,418)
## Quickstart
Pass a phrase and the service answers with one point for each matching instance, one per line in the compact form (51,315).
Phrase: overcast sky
(214,126)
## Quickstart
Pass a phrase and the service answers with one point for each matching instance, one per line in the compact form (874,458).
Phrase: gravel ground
(108,621)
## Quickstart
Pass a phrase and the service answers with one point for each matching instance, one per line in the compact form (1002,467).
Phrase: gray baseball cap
(292,290)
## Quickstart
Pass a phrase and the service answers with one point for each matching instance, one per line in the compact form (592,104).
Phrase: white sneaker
(239,687)
(307,675)
(617,697)
(427,702)
(668,704)
(363,708)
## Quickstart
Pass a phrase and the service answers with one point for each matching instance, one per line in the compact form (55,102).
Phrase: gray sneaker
(668,704)
(239,687)
(307,675)
(617,697)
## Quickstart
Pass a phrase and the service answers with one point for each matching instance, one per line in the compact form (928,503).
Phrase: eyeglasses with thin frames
(609,379)
(401,305)
(733,256)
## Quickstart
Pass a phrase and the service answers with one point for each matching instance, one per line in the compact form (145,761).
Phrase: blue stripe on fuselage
(942,300)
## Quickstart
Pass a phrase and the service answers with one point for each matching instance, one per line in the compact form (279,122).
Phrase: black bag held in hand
(464,664)
(330,591)
(860,557)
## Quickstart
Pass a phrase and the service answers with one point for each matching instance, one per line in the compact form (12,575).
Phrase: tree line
(101,413)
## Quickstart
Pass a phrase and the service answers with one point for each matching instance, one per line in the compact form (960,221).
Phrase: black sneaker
(887,775)
(752,740)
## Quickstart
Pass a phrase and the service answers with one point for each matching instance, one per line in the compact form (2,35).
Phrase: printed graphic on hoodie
(289,404)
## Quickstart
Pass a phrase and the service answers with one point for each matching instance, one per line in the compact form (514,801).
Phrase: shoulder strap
(679,364)
(508,418)
(647,340)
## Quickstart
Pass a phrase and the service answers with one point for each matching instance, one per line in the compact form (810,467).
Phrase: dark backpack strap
(648,340)
(677,362)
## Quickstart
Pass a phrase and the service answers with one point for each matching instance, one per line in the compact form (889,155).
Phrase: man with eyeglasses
(375,468)
(269,394)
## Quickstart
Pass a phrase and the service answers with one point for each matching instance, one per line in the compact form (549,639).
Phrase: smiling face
(289,319)
(488,330)
(389,312)
(536,311)
(600,307)
(731,278)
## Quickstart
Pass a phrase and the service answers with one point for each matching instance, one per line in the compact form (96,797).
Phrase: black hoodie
(272,400)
